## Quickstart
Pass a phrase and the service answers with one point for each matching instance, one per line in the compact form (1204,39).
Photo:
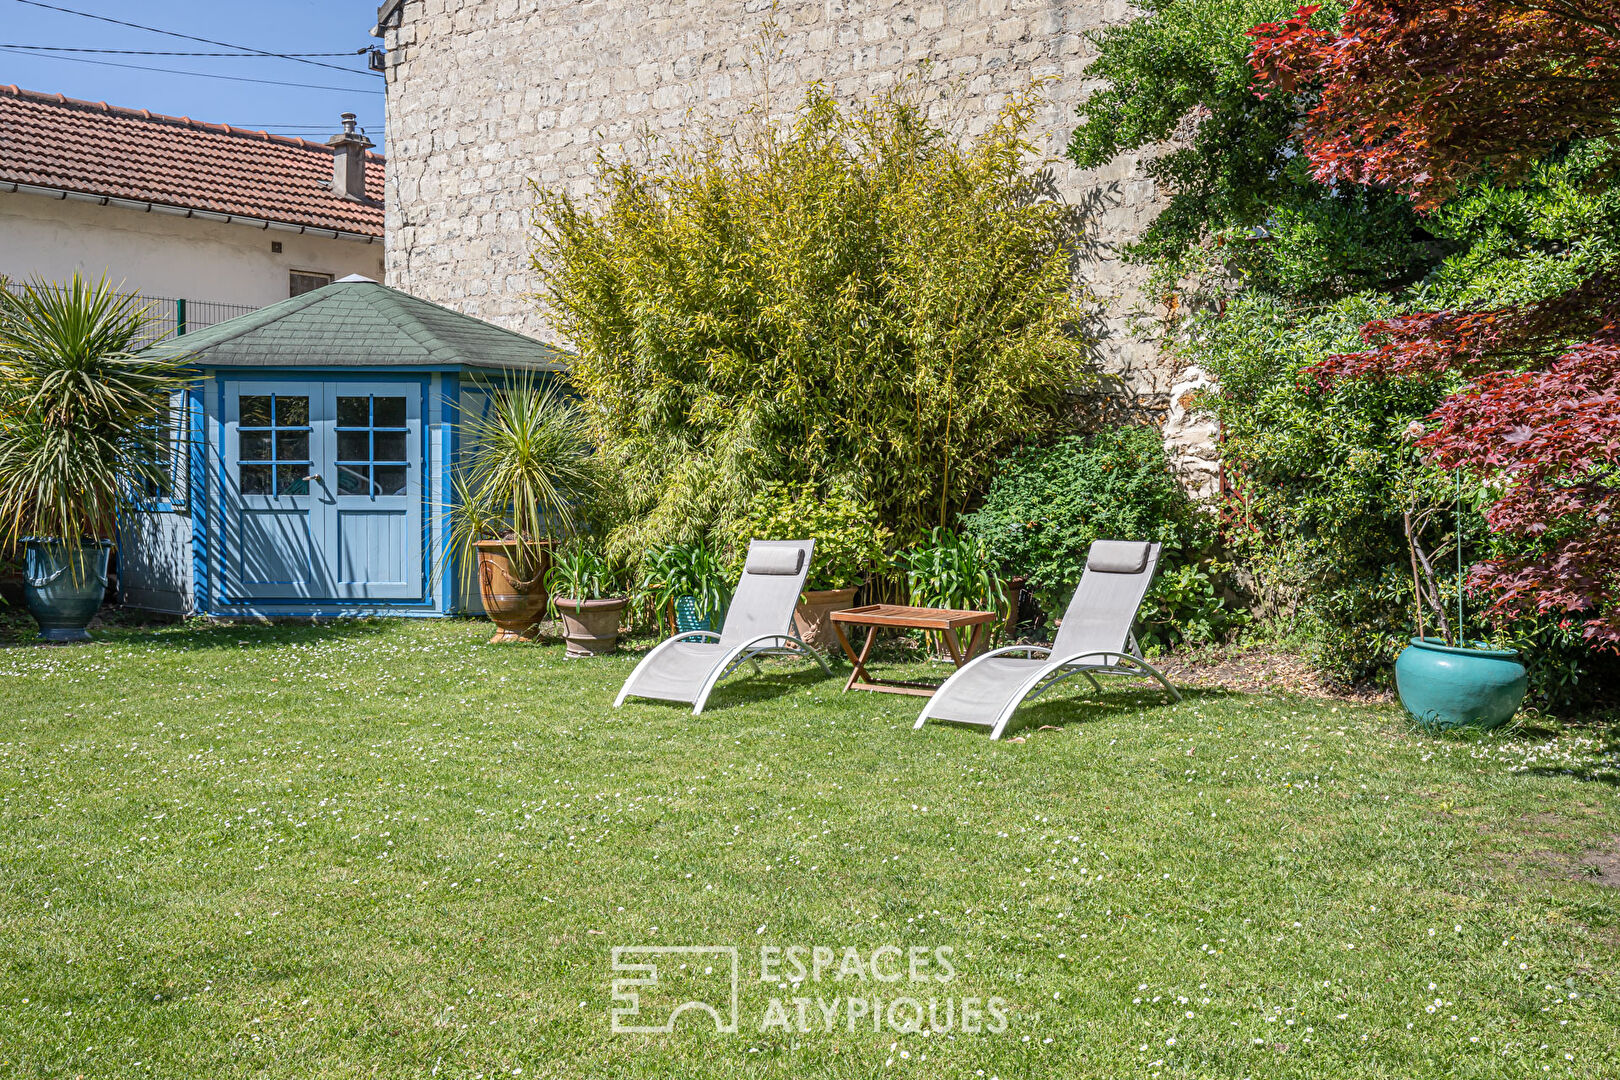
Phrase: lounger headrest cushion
(773,559)
(1118,556)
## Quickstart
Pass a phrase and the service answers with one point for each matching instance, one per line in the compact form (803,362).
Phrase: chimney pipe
(349,161)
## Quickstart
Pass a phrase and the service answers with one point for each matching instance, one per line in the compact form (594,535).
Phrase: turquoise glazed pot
(686,616)
(63,585)
(1445,686)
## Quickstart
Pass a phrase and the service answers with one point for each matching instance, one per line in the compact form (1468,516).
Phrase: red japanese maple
(1428,97)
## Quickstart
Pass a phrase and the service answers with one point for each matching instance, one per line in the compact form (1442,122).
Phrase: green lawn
(378,849)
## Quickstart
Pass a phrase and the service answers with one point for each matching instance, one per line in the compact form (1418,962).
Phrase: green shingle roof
(360,323)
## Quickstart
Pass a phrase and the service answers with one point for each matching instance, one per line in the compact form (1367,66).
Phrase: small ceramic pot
(591,627)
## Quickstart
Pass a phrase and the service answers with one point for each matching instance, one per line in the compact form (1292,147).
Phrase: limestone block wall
(485,95)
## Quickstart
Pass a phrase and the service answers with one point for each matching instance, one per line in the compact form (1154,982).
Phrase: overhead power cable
(187,37)
(156,52)
(201,74)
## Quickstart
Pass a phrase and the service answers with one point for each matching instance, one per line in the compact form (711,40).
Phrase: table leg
(952,646)
(974,641)
(859,674)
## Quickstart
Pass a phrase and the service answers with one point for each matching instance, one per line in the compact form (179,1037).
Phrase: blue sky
(304,107)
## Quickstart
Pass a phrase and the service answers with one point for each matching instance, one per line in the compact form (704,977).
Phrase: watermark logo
(665,981)
(889,988)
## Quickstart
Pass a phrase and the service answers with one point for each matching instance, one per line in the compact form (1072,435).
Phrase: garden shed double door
(323,486)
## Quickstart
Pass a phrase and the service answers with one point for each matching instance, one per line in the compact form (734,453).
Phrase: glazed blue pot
(63,585)
(1447,686)
(686,616)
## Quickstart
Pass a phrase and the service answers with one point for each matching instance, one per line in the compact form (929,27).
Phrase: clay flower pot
(591,627)
(512,603)
(812,619)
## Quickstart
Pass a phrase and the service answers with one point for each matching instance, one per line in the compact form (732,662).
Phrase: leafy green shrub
(1047,505)
(1184,606)
(850,543)
(953,570)
(673,571)
(528,473)
(865,301)
(1320,477)
(80,409)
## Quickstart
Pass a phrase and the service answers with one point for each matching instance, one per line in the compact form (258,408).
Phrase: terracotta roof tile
(99,149)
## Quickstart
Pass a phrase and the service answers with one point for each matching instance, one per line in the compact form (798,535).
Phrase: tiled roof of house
(356,322)
(92,148)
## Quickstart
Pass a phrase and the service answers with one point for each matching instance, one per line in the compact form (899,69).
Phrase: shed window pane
(388,412)
(253,445)
(256,410)
(292,446)
(254,479)
(390,479)
(388,446)
(292,411)
(353,446)
(292,479)
(354,412)
(353,480)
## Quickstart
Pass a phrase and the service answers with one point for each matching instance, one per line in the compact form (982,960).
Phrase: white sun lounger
(758,622)
(1095,638)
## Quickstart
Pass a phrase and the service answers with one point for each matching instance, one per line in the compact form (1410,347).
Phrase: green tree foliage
(865,300)
(1320,477)
(1241,202)
(1296,267)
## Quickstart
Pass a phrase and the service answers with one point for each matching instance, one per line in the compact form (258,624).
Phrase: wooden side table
(876,616)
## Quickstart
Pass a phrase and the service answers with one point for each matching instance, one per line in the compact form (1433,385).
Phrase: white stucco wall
(157,254)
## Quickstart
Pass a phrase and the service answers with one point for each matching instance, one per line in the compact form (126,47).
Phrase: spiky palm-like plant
(528,474)
(79,409)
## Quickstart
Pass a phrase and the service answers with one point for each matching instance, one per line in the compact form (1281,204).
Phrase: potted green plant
(1447,681)
(80,419)
(586,597)
(687,585)
(527,471)
(957,571)
(851,545)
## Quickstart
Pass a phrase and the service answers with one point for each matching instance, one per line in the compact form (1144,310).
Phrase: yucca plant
(528,475)
(80,409)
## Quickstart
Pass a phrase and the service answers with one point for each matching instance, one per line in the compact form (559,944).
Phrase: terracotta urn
(591,627)
(513,604)
(812,619)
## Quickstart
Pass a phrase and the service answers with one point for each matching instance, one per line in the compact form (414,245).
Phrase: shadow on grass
(743,688)
(200,636)
(1083,706)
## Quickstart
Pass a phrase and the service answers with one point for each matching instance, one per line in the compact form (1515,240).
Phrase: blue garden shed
(311,459)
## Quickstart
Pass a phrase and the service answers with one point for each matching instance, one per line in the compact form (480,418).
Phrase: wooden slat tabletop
(914,618)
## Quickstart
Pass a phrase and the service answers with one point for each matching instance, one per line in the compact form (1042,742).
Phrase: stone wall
(485,95)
